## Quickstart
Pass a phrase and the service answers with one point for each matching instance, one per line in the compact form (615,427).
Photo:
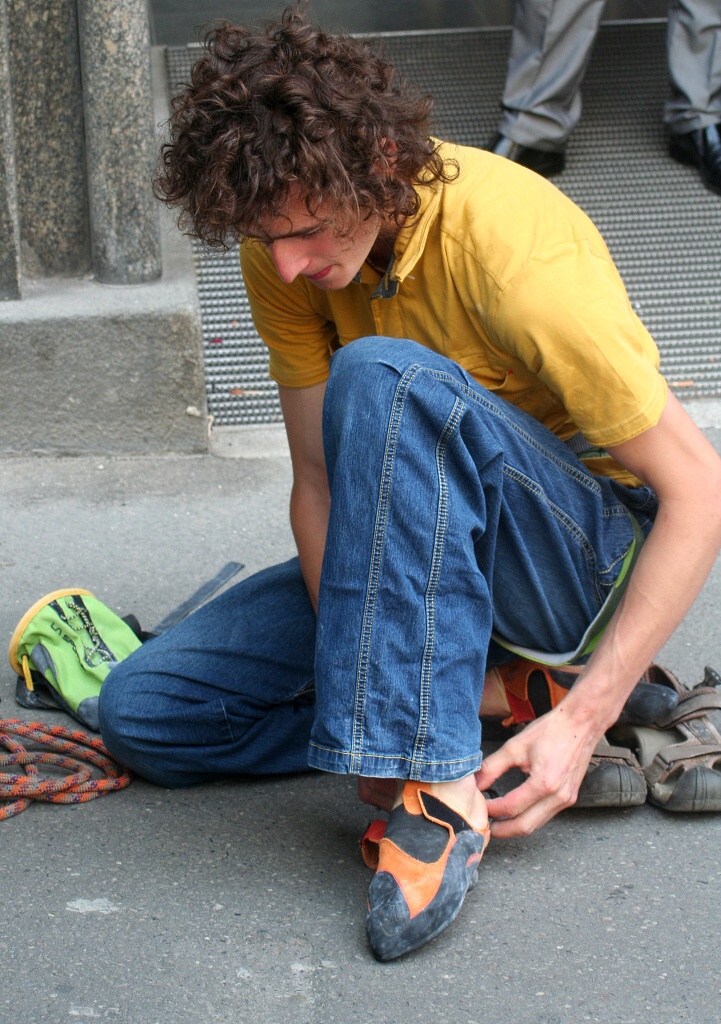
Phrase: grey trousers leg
(550,49)
(694,65)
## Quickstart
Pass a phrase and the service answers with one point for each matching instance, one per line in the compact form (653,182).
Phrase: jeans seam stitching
(610,568)
(308,687)
(376,557)
(383,757)
(436,560)
(612,511)
(584,478)
(561,517)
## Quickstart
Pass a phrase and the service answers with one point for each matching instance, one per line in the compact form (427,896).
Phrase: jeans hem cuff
(392,766)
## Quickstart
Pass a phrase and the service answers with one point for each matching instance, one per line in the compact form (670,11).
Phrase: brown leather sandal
(680,753)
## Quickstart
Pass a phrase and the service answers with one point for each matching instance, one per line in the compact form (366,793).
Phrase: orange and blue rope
(70,750)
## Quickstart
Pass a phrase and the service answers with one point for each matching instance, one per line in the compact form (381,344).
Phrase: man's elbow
(709,493)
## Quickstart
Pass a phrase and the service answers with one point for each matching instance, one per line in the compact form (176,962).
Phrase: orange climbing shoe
(427,861)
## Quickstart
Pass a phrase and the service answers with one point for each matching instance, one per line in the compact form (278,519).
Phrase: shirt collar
(413,236)
(367,275)
(409,245)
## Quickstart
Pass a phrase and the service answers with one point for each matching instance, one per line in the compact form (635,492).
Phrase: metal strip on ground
(662,226)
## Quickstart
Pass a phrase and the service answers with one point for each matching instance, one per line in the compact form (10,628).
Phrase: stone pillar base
(92,368)
(97,368)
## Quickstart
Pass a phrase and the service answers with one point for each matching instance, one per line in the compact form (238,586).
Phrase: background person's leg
(693,111)
(550,49)
(452,513)
(228,691)
(694,64)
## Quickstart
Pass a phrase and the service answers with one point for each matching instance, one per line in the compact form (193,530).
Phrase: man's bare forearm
(670,572)
(309,509)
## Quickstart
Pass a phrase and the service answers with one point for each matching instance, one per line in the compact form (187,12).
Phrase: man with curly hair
(480,440)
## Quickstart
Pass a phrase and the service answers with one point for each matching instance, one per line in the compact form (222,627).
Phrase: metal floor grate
(662,226)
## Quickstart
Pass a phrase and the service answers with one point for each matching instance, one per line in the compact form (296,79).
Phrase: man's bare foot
(463,796)
(494,702)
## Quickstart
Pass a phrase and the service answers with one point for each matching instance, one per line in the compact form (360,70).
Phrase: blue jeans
(453,514)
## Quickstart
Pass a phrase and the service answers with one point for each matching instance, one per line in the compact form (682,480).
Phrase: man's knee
(364,379)
(126,719)
(363,356)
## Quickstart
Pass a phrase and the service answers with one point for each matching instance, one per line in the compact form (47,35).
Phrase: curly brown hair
(293,110)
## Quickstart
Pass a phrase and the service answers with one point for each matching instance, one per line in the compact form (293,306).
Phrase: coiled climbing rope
(69,750)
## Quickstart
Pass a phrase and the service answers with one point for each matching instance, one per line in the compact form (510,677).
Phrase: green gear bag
(65,645)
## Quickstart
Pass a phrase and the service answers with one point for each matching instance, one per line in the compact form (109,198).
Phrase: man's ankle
(463,796)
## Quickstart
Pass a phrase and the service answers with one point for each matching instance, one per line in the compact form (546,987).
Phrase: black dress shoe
(701,148)
(545,162)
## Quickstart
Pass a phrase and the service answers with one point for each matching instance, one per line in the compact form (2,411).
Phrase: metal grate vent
(662,227)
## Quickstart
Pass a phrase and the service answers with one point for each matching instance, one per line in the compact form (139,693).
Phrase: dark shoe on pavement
(702,149)
(613,779)
(427,861)
(544,162)
(680,753)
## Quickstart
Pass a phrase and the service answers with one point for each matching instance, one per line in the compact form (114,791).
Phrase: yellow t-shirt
(501,273)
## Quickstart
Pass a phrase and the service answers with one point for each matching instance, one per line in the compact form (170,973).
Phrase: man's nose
(289,258)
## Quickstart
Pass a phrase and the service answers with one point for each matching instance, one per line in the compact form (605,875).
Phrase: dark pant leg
(227,691)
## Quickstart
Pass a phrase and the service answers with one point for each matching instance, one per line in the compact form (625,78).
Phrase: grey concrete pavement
(244,901)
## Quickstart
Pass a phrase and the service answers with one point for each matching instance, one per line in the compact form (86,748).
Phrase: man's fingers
(498,807)
(518,828)
(516,802)
(530,805)
(496,764)
(521,812)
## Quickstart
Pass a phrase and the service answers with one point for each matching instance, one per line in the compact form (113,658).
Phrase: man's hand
(553,752)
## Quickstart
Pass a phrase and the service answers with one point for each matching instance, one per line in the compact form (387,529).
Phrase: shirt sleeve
(299,338)
(567,317)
